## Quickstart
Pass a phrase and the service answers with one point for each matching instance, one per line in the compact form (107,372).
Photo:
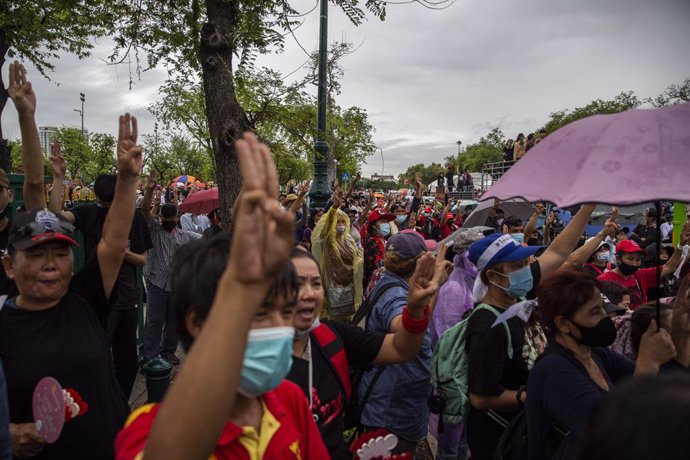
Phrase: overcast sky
(429,78)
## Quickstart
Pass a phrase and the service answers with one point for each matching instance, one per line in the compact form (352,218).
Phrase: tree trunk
(5,151)
(226,119)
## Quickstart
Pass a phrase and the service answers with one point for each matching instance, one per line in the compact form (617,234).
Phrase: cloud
(429,78)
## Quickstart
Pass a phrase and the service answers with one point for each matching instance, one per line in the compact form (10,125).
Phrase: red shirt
(638,284)
(297,436)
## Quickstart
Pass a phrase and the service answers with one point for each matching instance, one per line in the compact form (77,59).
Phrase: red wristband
(415,325)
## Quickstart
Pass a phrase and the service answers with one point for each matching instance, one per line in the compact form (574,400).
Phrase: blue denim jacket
(399,399)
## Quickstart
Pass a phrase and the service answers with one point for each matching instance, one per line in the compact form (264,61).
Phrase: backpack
(355,406)
(449,365)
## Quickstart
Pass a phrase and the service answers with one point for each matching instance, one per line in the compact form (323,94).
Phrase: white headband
(494,249)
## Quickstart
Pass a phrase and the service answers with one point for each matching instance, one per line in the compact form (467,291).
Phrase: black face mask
(626,269)
(532,242)
(168,225)
(601,335)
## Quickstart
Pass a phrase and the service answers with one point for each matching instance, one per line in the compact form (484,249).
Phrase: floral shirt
(374,250)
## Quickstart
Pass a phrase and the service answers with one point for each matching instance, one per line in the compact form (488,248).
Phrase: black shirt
(645,235)
(449,179)
(490,372)
(328,395)
(66,342)
(89,219)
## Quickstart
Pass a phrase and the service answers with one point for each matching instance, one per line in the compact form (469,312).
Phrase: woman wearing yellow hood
(341,262)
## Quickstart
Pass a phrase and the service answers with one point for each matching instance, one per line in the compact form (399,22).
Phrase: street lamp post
(320,191)
(382,162)
(82,97)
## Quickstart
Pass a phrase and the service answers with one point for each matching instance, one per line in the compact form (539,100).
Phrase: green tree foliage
(87,156)
(177,156)
(428,173)
(673,94)
(39,31)
(489,149)
(282,115)
(624,101)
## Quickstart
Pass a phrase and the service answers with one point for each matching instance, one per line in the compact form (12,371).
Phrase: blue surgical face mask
(521,282)
(267,360)
(384,229)
(519,237)
(603,256)
(340,229)
(400,219)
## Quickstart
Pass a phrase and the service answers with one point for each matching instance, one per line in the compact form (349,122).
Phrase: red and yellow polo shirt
(287,431)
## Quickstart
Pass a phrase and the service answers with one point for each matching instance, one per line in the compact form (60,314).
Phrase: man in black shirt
(449,178)
(645,233)
(89,219)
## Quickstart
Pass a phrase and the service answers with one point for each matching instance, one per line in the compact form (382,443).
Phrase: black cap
(39,226)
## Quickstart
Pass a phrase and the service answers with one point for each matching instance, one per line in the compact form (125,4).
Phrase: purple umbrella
(623,158)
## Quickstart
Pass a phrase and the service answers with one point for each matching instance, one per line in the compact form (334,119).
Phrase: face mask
(168,225)
(601,335)
(384,229)
(603,257)
(521,282)
(519,237)
(267,360)
(400,219)
(626,269)
(340,229)
(300,334)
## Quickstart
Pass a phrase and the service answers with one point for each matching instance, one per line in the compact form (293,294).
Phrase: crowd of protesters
(316,332)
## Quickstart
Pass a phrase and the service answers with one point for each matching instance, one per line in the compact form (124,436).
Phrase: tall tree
(623,101)
(87,156)
(673,94)
(199,39)
(40,30)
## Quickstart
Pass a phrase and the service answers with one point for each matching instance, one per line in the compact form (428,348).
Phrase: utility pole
(320,191)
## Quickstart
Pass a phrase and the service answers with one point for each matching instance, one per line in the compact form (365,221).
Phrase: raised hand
(264,232)
(130,159)
(20,90)
(611,226)
(421,285)
(549,220)
(442,267)
(656,346)
(539,209)
(337,200)
(151,180)
(57,161)
(685,234)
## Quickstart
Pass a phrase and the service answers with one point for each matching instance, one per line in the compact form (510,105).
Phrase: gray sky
(430,78)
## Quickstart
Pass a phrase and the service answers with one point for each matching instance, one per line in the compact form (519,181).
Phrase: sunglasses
(36,228)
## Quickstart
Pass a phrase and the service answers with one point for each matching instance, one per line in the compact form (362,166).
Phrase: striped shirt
(160,257)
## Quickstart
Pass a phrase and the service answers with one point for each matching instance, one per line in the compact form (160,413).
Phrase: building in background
(46,135)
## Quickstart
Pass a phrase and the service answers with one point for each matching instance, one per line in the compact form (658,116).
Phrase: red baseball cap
(630,247)
(380,214)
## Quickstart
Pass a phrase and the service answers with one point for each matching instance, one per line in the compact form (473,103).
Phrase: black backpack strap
(370,388)
(369,303)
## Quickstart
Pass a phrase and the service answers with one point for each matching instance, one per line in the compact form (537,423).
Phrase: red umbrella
(201,202)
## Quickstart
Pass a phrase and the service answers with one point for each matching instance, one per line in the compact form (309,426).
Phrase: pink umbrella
(624,158)
(201,202)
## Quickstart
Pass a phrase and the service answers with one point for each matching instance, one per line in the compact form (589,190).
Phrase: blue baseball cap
(496,249)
